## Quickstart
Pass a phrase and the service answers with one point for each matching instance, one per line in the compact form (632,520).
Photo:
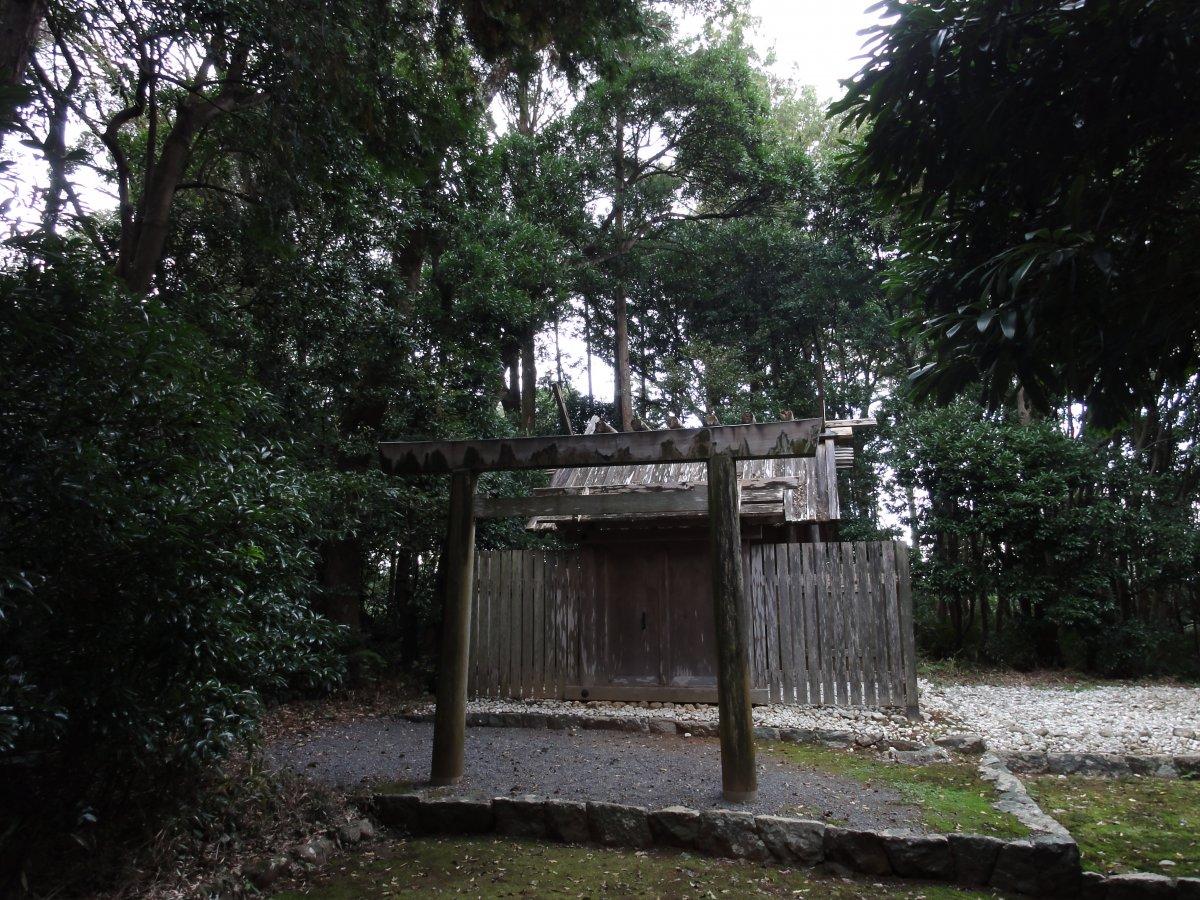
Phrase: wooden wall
(832,623)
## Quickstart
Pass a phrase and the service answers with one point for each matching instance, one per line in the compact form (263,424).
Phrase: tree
(671,135)
(1043,159)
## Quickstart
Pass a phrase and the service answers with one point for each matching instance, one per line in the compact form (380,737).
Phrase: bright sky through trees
(811,42)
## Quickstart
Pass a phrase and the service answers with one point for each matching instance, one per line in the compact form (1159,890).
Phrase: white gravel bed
(1147,719)
(1108,719)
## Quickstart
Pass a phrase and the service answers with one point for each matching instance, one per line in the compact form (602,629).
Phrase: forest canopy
(241,248)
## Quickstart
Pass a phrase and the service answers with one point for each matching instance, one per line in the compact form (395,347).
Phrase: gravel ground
(1114,718)
(645,769)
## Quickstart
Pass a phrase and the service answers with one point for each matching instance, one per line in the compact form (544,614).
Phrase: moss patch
(495,867)
(950,796)
(1127,824)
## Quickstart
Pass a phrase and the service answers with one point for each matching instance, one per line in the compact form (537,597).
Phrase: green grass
(1127,824)
(950,796)
(495,867)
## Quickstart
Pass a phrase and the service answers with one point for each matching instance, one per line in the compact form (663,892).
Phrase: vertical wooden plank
(785,615)
(516,645)
(538,634)
(870,634)
(527,624)
(493,668)
(771,620)
(907,636)
(854,624)
(799,600)
(501,617)
(833,619)
(475,676)
(820,583)
(752,569)
(866,632)
(841,683)
(812,643)
(512,621)
(879,591)
(450,715)
(731,615)
(498,622)
(587,619)
(895,650)
(854,655)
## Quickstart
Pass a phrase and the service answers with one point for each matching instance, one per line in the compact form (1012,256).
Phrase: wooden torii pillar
(719,446)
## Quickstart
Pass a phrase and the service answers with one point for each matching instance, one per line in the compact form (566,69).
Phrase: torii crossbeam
(720,446)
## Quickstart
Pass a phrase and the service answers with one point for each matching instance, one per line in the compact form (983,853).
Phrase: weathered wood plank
(787,622)
(904,601)
(692,501)
(871,690)
(873,635)
(892,614)
(450,716)
(773,614)
(537,687)
(755,441)
(731,615)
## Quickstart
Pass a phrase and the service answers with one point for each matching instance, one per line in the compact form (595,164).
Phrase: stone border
(1046,865)
(1015,800)
(1102,765)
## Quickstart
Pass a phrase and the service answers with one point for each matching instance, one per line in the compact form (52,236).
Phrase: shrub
(154,572)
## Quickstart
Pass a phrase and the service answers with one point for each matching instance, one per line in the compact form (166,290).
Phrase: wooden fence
(831,624)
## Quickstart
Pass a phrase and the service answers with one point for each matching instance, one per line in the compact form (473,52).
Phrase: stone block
(567,820)
(675,826)
(1031,762)
(616,825)
(731,834)
(974,857)
(860,851)
(797,841)
(963,743)
(766,733)
(1044,867)
(798,735)
(662,726)
(924,757)
(401,811)
(1139,886)
(919,855)
(1187,888)
(1188,765)
(1153,766)
(456,815)
(520,816)
(1092,886)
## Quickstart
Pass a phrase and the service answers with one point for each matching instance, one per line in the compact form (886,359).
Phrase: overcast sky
(815,41)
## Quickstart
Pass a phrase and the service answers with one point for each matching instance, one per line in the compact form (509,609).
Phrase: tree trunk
(340,600)
(587,350)
(19,24)
(624,386)
(511,398)
(528,382)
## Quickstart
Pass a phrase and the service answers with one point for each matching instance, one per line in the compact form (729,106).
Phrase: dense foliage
(1044,158)
(1042,550)
(363,221)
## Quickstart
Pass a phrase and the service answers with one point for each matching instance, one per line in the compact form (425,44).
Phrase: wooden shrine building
(625,612)
(697,564)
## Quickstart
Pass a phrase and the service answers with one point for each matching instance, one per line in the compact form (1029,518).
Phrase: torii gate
(720,446)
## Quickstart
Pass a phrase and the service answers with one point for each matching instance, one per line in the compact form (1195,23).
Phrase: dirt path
(645,769)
